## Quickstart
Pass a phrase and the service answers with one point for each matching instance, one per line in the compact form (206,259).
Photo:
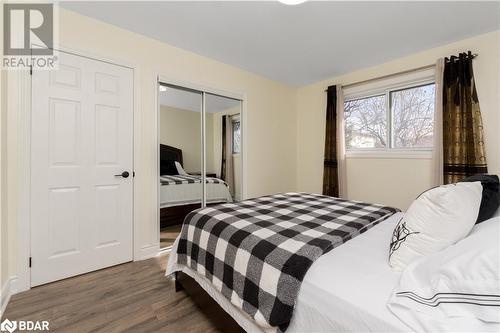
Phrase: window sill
(390,154)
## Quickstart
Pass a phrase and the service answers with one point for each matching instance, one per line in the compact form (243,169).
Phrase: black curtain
(330,171)
(463,137)
(224,143)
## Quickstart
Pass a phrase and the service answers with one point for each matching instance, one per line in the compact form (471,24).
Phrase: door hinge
(133,173)
(31,69)
(30,262)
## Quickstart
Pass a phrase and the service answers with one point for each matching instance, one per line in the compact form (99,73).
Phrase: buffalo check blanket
(257,252)
(180,179)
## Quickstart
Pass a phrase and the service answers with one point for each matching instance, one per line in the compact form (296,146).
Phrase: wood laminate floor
(168,235)
(133,297)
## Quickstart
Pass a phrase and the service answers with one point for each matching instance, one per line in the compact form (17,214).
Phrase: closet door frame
(204,90)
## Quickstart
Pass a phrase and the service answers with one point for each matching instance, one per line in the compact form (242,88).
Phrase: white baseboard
(8,289)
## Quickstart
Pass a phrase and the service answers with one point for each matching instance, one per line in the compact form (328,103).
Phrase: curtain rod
(393,74)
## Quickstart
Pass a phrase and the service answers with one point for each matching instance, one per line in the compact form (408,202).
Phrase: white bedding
(346,290)
(185,194)
(463,279)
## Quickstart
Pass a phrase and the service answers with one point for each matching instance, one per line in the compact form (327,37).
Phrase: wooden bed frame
(170,216)
(220,318)
(169,153)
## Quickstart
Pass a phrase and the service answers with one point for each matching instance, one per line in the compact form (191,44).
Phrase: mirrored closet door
(180,157)
(199,154)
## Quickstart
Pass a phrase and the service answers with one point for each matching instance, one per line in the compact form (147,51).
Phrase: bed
(299,262)
(329,299)
(180,194)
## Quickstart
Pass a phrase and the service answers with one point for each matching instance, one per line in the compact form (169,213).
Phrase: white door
(81,139)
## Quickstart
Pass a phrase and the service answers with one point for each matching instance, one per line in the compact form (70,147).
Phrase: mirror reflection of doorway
(223,142)
(185,152)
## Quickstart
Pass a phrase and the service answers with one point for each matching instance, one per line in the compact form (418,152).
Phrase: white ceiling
(304,43)
(191,101)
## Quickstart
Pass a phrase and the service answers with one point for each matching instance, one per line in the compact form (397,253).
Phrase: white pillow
(457,289)
(497,213)
(180,170)
(437,219)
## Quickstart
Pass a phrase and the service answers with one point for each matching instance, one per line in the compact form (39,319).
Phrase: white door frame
(22,79)
(204,89)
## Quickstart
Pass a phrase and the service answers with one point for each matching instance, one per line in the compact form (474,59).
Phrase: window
(366,123)
(396,118)
(236,137)
(412,112)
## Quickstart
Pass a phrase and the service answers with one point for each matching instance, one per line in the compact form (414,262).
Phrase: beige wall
(268,104)
(4,271)
(395,181)
(182,129)
(3,178)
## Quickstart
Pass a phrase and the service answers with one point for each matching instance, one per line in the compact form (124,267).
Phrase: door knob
(124,174)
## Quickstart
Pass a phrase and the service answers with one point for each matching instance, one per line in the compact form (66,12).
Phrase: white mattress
(184,194)
(346,290)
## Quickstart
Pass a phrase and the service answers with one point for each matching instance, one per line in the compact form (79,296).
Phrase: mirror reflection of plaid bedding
(257,252)
(180,179)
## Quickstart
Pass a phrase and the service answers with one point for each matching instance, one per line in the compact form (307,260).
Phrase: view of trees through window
(410,123)
(366,123)
(236,137)
(413,116)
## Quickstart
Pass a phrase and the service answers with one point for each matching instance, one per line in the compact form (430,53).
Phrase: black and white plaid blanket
(180,179)
(257,252)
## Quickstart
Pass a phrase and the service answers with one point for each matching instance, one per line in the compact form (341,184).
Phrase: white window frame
(385,87)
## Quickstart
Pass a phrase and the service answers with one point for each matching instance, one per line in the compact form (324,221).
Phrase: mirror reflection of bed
(181,155)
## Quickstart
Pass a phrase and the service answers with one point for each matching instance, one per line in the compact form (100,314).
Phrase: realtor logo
(8,326)
(29,31)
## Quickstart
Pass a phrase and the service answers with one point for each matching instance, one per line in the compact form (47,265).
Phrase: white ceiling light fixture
(292,2)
